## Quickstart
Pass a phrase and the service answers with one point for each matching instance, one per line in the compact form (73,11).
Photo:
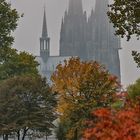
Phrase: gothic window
(41,45)
(45,44)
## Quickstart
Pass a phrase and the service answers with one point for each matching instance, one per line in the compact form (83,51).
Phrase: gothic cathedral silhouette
(90,38)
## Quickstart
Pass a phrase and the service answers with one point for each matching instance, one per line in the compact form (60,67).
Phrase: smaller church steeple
(44,41)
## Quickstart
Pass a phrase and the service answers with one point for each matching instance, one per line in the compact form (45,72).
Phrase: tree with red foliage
(114,125)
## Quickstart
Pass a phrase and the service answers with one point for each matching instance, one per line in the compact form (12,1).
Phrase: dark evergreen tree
(27,104)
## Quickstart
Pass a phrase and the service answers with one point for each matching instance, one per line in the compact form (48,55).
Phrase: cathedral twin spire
(72,30)
(91,39)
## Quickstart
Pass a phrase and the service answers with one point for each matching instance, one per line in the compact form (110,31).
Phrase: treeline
(27,102)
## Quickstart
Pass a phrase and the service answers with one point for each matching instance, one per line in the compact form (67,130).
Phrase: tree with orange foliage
(82,86)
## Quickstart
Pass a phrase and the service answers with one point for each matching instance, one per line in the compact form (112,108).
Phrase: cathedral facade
(90,38)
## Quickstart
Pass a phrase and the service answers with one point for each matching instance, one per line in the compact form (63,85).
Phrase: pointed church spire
(102,21)
(107,42)
(73,31)
(44,41)
(75,7)
(44,27)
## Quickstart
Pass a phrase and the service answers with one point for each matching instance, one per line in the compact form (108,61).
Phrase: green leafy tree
(136,57)
(82,86)
(125,15)
(134,91)
(27,104)
(8,23)
(13,63)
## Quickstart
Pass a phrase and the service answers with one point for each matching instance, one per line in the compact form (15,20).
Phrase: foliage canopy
(26,103)
(136,56)
(82,86)
(13,63)
(125,15)
(8,23)
(118,125)
(134,91)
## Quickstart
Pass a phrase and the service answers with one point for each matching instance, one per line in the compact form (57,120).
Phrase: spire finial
(44,28)
(44,5)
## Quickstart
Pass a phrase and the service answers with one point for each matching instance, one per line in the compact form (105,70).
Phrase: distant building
(89,38)
(102,45)
(47,63)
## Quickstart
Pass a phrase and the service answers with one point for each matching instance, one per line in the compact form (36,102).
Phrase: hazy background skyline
(29,31)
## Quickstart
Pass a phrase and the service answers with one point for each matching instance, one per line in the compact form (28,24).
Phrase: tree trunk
(76,134)
(5,137)
(18,135)
(24,133)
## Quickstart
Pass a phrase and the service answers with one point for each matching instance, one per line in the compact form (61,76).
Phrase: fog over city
(30,27)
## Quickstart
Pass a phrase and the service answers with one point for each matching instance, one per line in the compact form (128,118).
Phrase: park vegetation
(125,15)
(8,23)
(100,117)
(121,120)
(27,102)
(27,106)
(122,123)
(84,96)
(81,87)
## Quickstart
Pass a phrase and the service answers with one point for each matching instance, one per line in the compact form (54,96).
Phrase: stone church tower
(103,46)
(92,38)
(73,29)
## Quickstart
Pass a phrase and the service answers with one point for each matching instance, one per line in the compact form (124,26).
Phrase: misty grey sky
(30,27)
